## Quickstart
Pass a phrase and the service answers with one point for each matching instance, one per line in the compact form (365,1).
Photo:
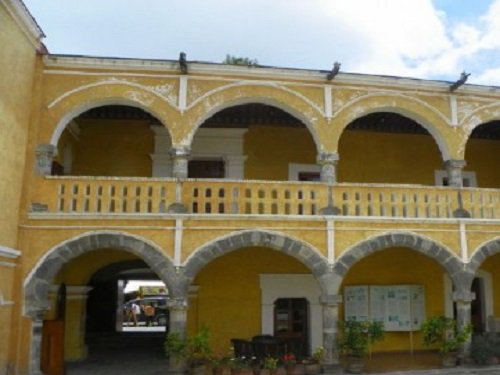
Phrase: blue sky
(434,39)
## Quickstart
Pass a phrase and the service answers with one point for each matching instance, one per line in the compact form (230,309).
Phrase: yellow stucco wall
(229,298)
(492,265)
(399,266)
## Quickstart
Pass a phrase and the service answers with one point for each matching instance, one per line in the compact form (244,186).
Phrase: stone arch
(295,248)
(38,281)
(478,117)
(485,250)
(426,246)
(283,98)
(417,110)
(76,101)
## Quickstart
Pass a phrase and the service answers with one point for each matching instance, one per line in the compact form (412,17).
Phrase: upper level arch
(295,248)
(69,105)
(294,103)
(415,109)
(38,281)
(485,250)
(424,245)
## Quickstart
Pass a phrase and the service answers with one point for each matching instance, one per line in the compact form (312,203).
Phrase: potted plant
(292,366)
(175,349)
(356,340)
(242,365)
(313,363)
(199,351)
(221,365)
(447,336)
(269,366)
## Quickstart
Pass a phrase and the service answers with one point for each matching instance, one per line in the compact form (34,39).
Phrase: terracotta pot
(242,371)
(297,369)
(313,368)
(355,365)
(225,370)
(449,359)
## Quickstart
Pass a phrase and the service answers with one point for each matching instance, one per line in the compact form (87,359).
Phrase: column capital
(454,168)
(178,303)
(44,156)
(327,158)
(464,296)
(179,152)
(330,299)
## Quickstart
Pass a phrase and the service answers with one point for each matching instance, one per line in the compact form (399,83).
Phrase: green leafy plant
(234,60)
(270,363)
(358,336)
(175,346)
(444,333)
(198,347)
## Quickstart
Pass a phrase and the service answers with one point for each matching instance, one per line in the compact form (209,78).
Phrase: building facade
(242,188)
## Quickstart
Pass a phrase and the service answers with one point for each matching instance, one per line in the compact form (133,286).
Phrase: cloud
(403,37)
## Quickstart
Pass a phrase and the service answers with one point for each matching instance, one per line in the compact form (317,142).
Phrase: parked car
(159,303)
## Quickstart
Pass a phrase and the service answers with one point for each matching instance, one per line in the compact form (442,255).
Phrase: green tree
(234,60)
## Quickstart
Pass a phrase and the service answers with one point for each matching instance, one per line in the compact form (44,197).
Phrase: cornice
(8,252)
(25,20)
(203,69)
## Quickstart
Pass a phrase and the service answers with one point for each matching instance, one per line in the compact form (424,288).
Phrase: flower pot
(449,359)
(355,365)
(312,368)
(297,369)
(224,370)
(242,371)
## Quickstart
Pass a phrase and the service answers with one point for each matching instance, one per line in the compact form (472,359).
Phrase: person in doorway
(134,313)
(149,312)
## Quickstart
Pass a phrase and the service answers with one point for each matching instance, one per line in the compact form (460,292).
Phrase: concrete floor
(132,353)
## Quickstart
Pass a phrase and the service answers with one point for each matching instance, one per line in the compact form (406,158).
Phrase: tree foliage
(235,60)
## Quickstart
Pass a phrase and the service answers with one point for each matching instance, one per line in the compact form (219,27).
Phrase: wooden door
(52,355)
(291,324)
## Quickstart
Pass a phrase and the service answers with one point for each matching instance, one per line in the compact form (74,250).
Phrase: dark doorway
(206,169)
(477,306)
(291,323)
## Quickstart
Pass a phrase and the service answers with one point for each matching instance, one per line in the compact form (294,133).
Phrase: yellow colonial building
(268,200)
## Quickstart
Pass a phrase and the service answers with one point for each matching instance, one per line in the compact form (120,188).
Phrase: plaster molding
(471,121)
(9,252)
(25,20)
(111,82)
(8,264)
(271,84)
(383,93)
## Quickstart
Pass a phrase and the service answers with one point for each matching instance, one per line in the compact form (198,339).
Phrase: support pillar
(36,341)
(328,163)
(454,169)
(330,303)
(463,300)
(44,157)
(180,159)
(178,323)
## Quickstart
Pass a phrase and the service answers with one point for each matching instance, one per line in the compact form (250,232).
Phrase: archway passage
(111,140)
(248,295)
(94,336)
(253,141)
(385,147)
(400,287)
(482,155)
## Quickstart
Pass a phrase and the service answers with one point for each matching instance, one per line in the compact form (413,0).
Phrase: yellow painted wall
(483,157)
(229,298)
(387,158)
(17,67)
(269,150)
(400,266)
(492,265)
(113,148)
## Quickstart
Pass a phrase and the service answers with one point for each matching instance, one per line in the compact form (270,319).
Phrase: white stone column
(330,305)
(180,159)
(328,162)
(44,157)
(235,166)
(36,341)
(178,324)
(463,300)
(454,169)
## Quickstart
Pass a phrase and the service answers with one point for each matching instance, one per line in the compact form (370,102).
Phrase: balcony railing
(109,195)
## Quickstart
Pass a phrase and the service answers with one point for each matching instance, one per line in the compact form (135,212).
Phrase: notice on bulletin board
(399,307)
